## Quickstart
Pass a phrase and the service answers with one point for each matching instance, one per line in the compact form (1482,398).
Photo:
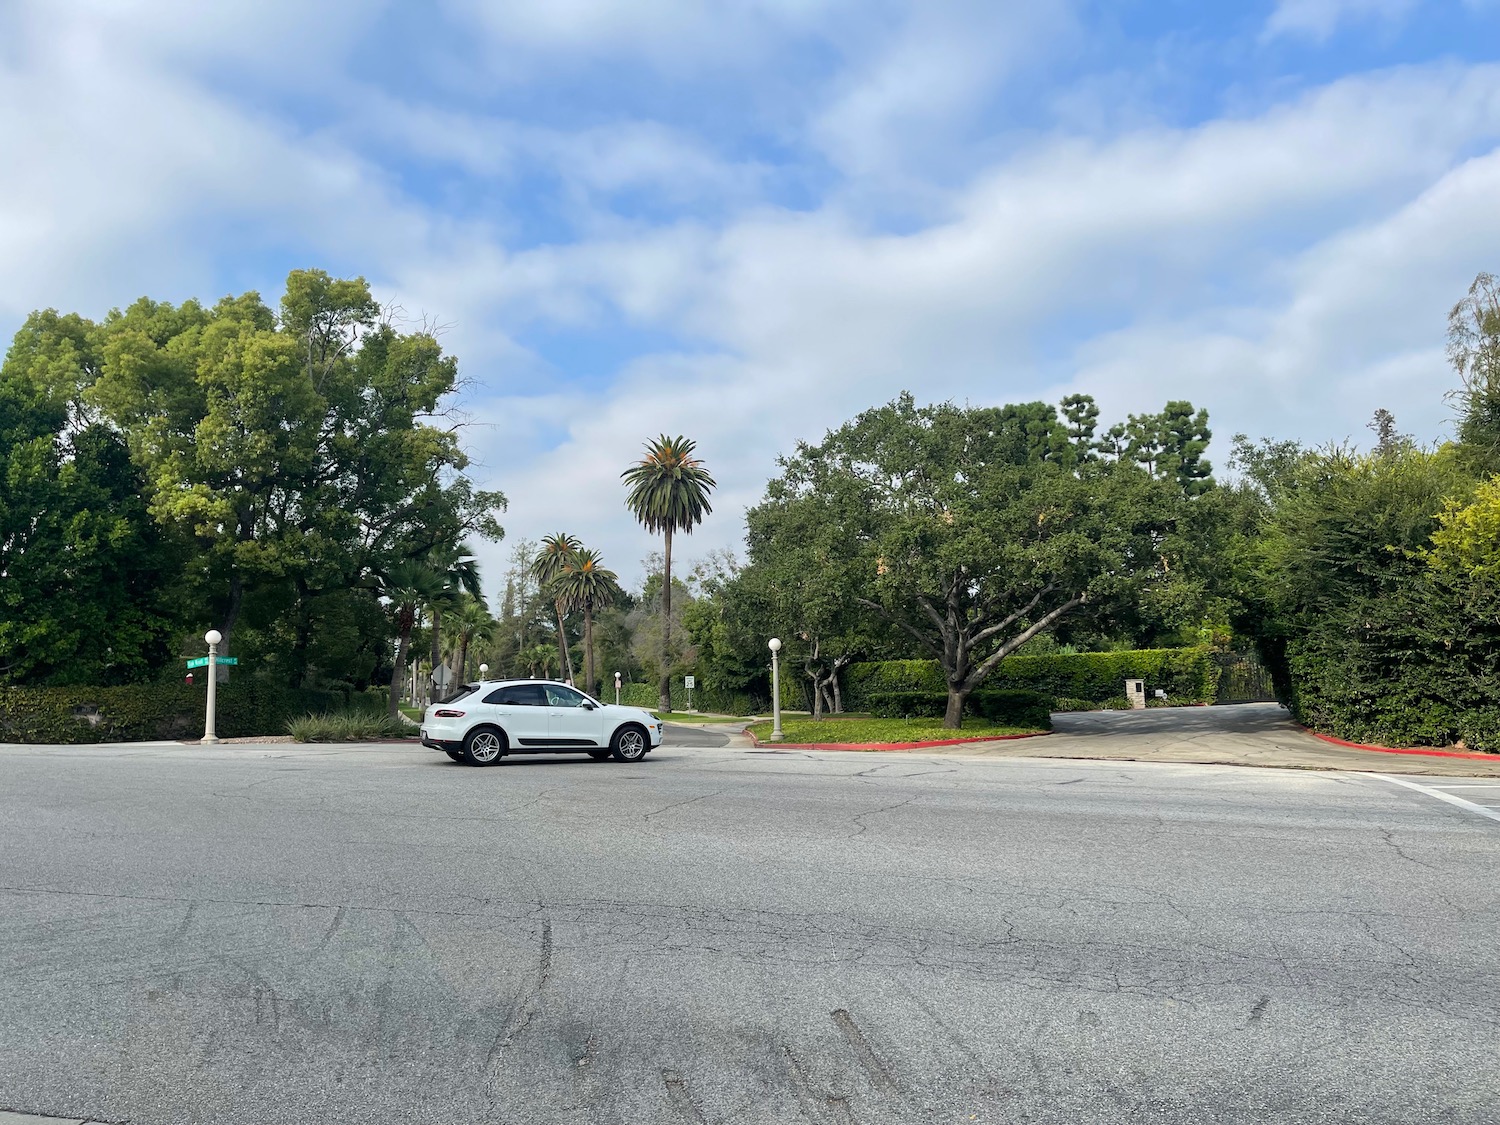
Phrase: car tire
(456,755)
(484,746)
(629,743)
(599,755)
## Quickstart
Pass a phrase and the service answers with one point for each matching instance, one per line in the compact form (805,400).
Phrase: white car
(488,720)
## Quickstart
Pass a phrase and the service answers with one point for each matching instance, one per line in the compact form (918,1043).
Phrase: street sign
(441,675)
(226,660)
(690,683)
(202,661)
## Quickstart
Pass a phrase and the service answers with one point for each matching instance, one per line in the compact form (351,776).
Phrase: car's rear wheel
(629,744)
(599,755)
(484,746)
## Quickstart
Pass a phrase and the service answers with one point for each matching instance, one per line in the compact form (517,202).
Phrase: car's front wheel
(484,747)
(629,744)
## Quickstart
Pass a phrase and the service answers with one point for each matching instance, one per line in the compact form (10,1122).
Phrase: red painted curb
(892,745)
(1481,757)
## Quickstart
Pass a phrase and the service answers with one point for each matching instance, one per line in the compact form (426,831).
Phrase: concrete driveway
(1247,734)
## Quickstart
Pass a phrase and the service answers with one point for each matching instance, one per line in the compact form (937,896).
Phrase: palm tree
(538,657)
(549,564)
(470,624)
(669,490)
(587,585)
(459,570)
(410,587)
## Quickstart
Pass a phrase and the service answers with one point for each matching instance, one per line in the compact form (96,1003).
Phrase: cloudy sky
(745,220)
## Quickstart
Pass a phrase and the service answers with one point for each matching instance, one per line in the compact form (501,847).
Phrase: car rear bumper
(447,746)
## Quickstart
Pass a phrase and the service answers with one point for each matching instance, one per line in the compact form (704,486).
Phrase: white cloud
(1290,272)
(1319,19)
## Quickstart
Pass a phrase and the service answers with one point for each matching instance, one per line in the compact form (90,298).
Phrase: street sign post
(202,661)
(689,681)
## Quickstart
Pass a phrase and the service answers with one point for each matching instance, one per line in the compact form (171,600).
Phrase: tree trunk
(463,660)
(398,673)
(588,649)
(435,657)
(953,719)
(564,657)
(817,693)
(838,698)
(666,625)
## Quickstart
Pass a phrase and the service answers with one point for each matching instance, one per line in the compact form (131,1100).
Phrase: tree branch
(922,637)
(1000,626)
(977,676)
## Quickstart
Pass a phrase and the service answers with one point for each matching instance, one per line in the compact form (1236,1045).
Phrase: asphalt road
(715,935)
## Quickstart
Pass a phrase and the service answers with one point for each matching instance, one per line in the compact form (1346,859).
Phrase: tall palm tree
(549,564)
(459,570)
(669,490)
(410,587)
(586,585)
(470,624)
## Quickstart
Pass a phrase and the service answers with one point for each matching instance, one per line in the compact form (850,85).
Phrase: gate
(1243,679)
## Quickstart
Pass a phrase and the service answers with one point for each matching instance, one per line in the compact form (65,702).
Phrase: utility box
(1135,691)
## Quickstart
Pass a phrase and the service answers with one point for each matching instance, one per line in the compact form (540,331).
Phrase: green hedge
(1187,675)
(1031,709)
(145,712)
(713,702)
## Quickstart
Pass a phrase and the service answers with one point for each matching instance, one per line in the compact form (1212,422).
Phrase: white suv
(486,721)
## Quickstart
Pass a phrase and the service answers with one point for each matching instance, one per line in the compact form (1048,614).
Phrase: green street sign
(226,660)
(198,662)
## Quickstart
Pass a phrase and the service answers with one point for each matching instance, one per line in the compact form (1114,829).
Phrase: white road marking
(1486,785)
(1433,791)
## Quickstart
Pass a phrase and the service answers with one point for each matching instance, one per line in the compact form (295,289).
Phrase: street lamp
(484,670)
(617,689)
(775,647)
(213,637)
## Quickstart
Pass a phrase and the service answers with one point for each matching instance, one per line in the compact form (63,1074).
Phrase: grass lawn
(882,730)
(413,713)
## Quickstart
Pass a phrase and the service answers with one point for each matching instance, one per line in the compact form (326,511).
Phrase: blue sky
(747,220)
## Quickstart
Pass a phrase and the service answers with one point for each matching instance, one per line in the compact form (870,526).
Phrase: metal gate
(1244,679)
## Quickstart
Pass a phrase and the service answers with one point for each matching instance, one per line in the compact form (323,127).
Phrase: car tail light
(449,714)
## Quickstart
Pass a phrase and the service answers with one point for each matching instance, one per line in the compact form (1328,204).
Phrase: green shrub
(1187,675)
(143,712)
(1008,708)
(1014,708)
(714,702)
(347,726)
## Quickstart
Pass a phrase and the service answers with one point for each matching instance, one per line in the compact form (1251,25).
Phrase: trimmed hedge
(1187,675)
(1030,709)
(144,712)
(714,702)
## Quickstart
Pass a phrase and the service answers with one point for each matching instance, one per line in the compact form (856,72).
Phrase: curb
(893,746)
(1418,750)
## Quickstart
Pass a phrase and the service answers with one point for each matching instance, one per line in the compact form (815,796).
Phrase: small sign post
(689,681)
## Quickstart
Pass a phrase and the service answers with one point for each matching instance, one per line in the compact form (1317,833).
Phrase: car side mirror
(588,707)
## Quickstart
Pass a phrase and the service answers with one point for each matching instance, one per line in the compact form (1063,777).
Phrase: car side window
(560,696)
(518,695)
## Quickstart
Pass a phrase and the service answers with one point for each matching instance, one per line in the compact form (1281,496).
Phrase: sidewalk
(1251,734)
